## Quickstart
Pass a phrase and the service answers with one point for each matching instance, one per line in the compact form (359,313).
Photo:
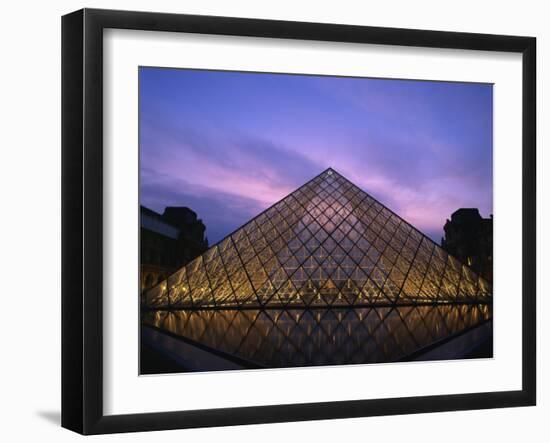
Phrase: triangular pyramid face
(326,244)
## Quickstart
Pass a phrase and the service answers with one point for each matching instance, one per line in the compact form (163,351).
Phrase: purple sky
(229,144)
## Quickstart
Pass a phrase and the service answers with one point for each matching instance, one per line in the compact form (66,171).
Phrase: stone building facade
(469,237)
(167,242)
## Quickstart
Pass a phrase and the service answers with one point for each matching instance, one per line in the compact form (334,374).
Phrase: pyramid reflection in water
(275,338)
(327,244)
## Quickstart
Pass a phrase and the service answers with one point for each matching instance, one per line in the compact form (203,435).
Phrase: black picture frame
(82,218)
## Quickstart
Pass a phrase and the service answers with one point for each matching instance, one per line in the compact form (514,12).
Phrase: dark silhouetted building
(167,242)
(469,237)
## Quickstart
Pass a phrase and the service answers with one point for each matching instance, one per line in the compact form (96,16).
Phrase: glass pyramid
(327,244)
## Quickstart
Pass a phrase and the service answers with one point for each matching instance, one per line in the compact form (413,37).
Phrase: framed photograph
(268,221)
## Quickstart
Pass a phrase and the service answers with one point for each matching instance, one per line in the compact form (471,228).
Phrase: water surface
(307,337)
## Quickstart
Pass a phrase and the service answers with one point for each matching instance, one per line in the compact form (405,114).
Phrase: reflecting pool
(273,338)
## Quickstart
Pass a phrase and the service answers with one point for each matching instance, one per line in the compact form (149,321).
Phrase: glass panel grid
(326,244)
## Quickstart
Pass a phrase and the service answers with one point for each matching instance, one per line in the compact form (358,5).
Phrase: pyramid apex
(329,171)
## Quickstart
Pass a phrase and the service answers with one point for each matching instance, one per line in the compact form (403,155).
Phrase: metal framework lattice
(327,244)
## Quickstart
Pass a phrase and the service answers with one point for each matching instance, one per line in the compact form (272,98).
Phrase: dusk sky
(228,145)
